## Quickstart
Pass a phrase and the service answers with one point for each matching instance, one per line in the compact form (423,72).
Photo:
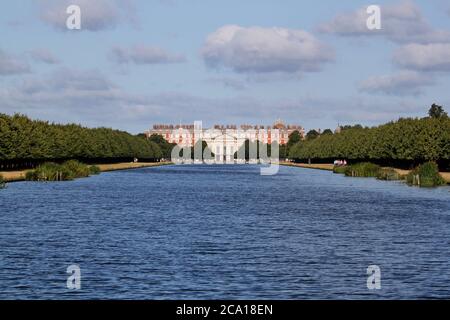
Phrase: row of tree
(404,143)
(26,143)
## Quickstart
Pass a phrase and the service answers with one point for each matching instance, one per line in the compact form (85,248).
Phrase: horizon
(138,63)
(151,126)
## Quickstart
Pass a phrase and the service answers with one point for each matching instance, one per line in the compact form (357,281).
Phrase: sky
(135,63)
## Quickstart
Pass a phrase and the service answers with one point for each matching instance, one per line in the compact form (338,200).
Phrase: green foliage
(437,111)
(283,151)
(294,138)
(77,169)
(339,169)
(367,169)
(312,135)
(51,171)
(388,174)
(94,170)
(363,169)
(25,139)
(425,175)
(163,144)
(411,140)
(2,182)
(327,132)
(347,127)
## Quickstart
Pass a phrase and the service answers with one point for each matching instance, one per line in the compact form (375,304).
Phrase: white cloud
(61,88)
(429,57)
(68,95)
(401,23)
(401,83)
(95,15)
(44,56)
(11,64)
(88,97)
(265,50)
(145,55)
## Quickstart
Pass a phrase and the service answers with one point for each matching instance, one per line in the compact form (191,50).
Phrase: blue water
(223,232)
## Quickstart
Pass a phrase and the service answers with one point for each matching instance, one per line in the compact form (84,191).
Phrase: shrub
(77,169)
(388,174)
(2,182)
(339,169)
(50,171)
(94,170)
(363,169)
(30,175)
(425,175)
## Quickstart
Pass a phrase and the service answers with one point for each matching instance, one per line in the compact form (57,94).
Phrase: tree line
(403,143)
(25,143)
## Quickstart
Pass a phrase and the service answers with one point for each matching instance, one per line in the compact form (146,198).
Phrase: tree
(164,145)
(141,135)
(437,111)
(327,132)
(294,138)
(404,142)
(283,152)
(348,127)
(26,143)
(312,134)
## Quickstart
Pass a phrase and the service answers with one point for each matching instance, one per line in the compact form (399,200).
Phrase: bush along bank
(363,169)
(389,174)
(2,182)
(425,175)
(67,171)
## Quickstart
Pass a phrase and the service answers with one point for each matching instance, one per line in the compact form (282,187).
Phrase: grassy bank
(318,166)
(2,182)
(13,176)
(127,166)
(371,170)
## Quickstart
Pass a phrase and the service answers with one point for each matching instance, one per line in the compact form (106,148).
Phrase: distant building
(225,140)
(338,129)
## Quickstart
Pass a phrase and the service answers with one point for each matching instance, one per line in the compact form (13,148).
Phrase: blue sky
(138,63)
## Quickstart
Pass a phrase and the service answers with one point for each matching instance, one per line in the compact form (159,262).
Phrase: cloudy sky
(137,63)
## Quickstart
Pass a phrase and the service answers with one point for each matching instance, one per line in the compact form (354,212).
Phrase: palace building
(225,140)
